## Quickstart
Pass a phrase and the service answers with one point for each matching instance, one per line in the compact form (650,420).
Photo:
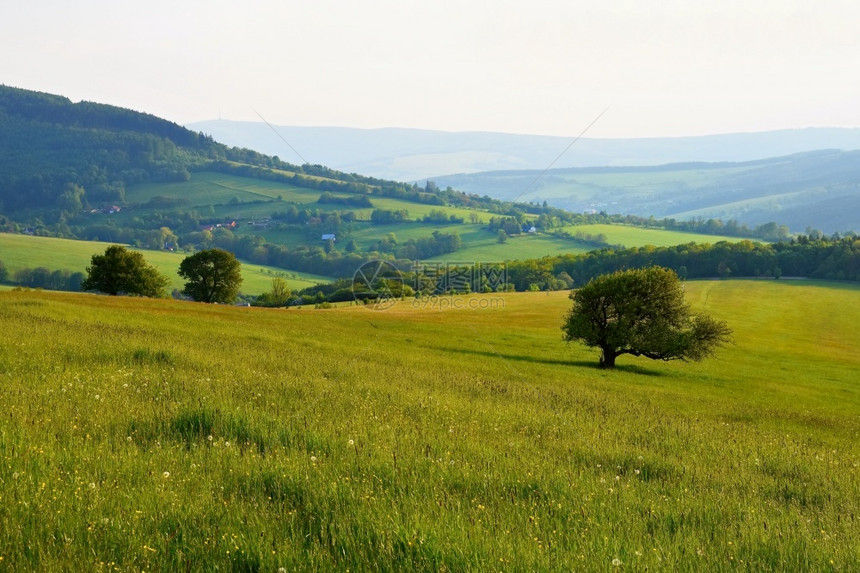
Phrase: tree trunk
(607,358)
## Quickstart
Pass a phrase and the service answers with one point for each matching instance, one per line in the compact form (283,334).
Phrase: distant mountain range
(416,155)
(801,178)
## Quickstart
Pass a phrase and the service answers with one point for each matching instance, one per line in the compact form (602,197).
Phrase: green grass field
(482,246)
(25,251)
(469,438)
(630,236)
(207,188)
(478,243)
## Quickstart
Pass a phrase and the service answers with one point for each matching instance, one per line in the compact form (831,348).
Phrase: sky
(616,69)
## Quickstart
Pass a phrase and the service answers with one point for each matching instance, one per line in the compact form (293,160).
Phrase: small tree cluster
(213,275)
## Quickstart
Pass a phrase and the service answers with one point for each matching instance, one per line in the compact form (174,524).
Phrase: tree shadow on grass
(631,368)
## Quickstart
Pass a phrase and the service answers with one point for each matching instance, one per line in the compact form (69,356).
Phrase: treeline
(322,178)
(513,225)
(293,176)
(596,240)
(381,187)
(350,201)
(436,244)
(389,216)
(42,277)
(731,228)
(439,217)
(304,216)
(835,258)
(553,218)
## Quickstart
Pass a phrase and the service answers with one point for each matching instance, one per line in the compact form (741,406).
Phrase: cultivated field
(242,197)
(159,435)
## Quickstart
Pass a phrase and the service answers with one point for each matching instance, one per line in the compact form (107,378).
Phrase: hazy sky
(543,67)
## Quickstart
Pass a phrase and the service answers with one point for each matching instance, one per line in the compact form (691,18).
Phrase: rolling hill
(819,189)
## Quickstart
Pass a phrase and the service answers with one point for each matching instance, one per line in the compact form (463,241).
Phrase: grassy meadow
(455,434)
(26,251)
(631,236)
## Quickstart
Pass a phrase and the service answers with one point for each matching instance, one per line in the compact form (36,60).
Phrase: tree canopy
(641,312)
(213,275)
(119,270)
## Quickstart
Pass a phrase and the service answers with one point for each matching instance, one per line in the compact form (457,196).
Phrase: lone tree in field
(213,275)
(119,270)
(641,312)
(278,296)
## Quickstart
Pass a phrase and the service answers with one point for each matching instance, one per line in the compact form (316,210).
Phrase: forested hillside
(63,157)
(58,155)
